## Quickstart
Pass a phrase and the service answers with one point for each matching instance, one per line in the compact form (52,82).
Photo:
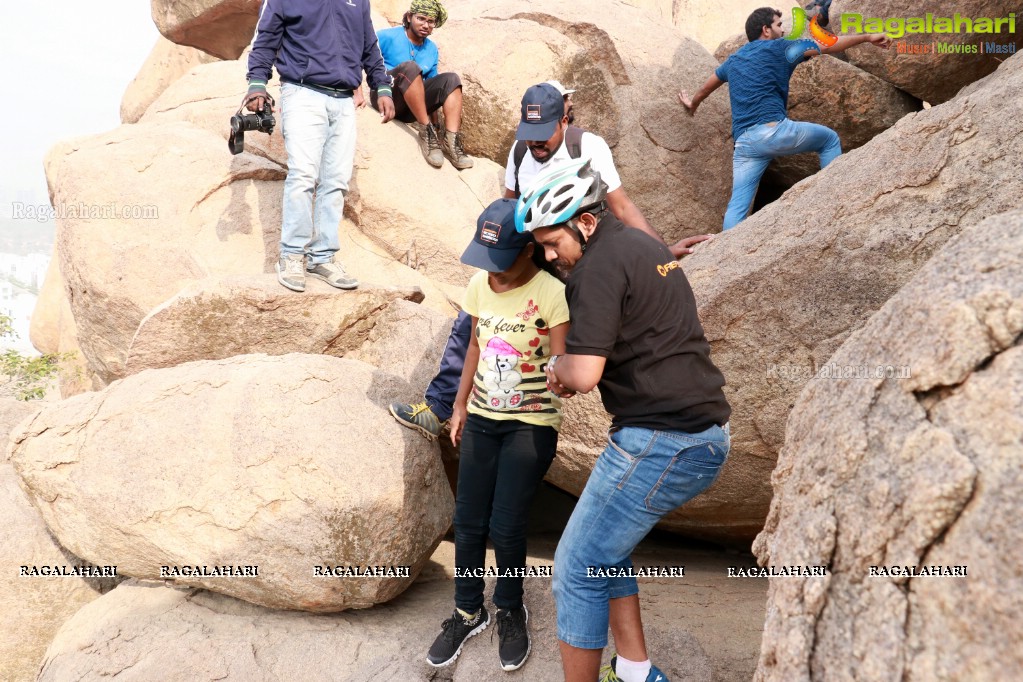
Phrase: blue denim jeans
(319,135)
(758,145)
(641,476)
(441,392)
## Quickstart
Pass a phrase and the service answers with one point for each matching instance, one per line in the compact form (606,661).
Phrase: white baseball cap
(559,87)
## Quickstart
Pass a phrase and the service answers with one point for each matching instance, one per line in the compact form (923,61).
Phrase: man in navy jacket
(320,50)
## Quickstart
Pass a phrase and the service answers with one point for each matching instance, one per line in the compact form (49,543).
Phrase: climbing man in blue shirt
(758,88)
(419,91)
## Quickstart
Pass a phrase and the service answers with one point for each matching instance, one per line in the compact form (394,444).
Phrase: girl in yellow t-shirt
(507,423)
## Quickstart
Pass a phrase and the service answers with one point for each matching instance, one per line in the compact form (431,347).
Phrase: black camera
(263,121)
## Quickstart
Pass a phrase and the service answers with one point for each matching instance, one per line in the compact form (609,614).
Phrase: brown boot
(453,150)
(430,146)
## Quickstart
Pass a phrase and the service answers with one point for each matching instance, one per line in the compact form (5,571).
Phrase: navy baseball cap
(542,108)
(497,243)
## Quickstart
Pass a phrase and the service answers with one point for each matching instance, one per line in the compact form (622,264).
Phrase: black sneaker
(513,636)
(454,631)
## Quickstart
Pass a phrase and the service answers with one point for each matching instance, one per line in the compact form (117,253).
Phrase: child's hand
(457,423)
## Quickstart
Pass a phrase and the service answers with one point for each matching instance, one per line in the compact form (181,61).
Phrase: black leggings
(499,469)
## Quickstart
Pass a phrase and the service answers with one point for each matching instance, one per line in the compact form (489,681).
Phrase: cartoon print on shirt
(501,379)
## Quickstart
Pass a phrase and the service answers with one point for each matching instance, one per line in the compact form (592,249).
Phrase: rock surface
(32,609)
(245,314)
(220,27)
(142,630)
(833,93)
(277,462)
(620,59)
(164,65)
(778,294)
(210,213)
(933,77)
(914,471)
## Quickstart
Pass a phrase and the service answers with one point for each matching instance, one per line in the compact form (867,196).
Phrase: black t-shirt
(631,303)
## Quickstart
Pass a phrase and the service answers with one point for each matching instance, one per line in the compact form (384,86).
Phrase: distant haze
(67,66)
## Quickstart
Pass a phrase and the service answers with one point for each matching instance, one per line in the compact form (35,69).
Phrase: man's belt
(326,90)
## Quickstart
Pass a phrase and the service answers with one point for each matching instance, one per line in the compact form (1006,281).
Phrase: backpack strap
(520,153)
(574,141)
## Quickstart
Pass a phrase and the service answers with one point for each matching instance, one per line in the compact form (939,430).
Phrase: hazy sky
(67,65)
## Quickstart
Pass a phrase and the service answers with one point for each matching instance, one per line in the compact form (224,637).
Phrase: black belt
(330,92)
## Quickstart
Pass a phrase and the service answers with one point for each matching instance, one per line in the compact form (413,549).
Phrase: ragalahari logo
(820,37)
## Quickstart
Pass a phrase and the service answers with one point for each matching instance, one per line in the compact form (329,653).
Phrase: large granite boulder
(831,92)
(282,463)
(32,607)
(910,469)
(142,631)
(627,67)
(934,76)
(779,293)
(425,226)
(220,27)
(164,65)
(245,314)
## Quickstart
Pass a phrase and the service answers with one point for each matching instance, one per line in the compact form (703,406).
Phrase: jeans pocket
(689,473)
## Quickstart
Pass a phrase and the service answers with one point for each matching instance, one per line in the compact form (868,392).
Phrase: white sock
(631,671)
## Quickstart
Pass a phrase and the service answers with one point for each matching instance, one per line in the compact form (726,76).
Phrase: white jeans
(319,134)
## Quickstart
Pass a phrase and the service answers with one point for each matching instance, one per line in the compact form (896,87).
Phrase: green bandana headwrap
(430,8)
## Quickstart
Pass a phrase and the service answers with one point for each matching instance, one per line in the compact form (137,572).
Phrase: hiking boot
(454,631)
(429,145)
(333,274)
(607,673)
(453,150)
(513,637)
(417,416)
(291,271)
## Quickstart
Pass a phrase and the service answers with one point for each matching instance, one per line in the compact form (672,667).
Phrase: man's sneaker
(607,673)
(291,271)
(333,274)
(429,145)
(453,150)
(513,636)
(454,631)
(418,416)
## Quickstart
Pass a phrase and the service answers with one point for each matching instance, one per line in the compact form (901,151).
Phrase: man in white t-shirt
(543,127)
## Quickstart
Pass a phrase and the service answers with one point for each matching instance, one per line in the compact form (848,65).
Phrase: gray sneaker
(291,272)
(429,145)
(334,274)
(453,150)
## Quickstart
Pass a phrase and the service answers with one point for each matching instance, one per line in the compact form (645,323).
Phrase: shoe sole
(529,647)
(346,287)
(469,636)
(412,425)
(284,284)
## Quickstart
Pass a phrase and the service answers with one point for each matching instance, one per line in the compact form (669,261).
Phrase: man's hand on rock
(684,246)
(386,107)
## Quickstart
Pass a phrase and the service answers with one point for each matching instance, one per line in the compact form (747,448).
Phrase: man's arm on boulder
(627,212)
(712,84)
(845,42)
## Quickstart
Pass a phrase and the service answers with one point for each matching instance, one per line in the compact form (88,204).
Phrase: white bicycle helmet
(558,195)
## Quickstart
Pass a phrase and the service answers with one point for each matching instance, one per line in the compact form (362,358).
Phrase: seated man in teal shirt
(419,91)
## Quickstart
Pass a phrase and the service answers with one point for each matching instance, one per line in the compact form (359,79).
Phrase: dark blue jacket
(323,42)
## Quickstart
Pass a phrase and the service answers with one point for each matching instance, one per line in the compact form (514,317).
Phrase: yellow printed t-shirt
(513,331)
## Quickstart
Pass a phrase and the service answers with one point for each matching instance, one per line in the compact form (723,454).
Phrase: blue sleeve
(722,71)
(372,60)
(269,34)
